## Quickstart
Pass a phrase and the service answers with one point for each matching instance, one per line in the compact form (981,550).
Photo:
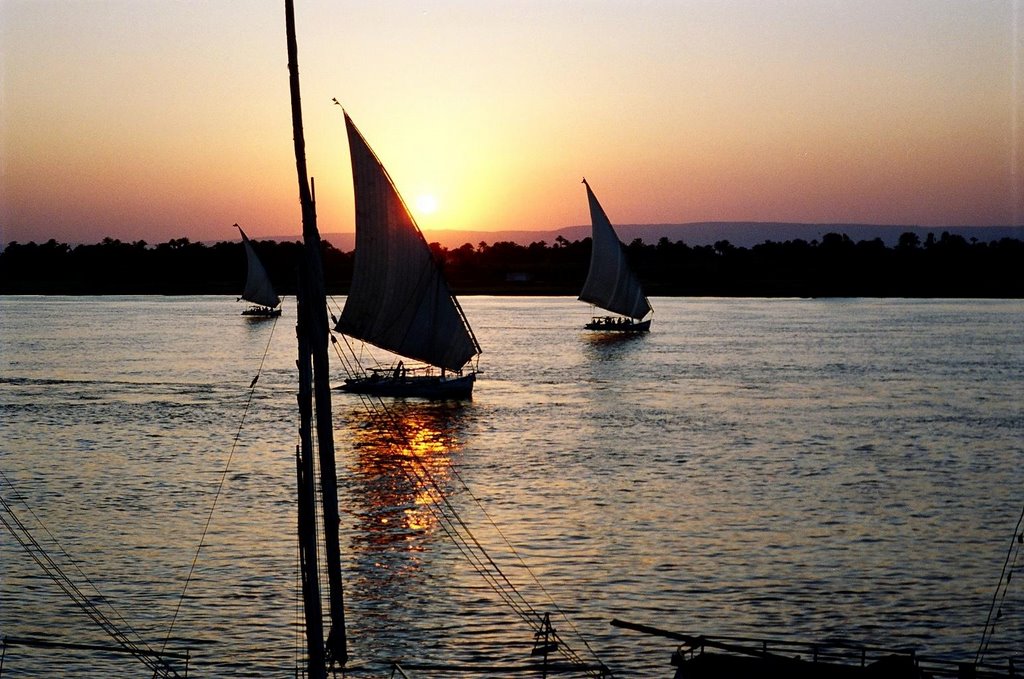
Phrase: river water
(804,469)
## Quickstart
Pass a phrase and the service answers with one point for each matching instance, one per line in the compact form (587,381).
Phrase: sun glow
(426,204)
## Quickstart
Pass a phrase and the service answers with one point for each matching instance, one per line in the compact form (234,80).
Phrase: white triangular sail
(399,300)
(611,284)
(258,288)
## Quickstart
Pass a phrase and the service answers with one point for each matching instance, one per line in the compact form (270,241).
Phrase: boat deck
(701,657)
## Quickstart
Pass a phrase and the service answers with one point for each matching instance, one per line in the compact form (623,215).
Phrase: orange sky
(150,120)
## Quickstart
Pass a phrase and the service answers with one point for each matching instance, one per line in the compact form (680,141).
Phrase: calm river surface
(794,468)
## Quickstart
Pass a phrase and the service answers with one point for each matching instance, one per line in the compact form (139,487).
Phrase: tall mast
(314,388)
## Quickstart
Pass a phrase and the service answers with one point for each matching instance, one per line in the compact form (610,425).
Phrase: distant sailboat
(399,299)
(258,289)
(610,283)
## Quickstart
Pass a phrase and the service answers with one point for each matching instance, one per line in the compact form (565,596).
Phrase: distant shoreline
(694,234)
(937,266)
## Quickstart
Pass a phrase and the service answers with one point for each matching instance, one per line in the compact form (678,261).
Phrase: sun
(426,204)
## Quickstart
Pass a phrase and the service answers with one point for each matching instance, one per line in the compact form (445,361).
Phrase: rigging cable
(220,484)
(1009,563)
(353,366)
(522,562)
(28,542)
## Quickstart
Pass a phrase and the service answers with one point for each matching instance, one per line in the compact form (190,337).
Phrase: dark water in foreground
(797,468)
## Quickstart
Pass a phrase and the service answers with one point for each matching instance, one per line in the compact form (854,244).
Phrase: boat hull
(261,312)
(726,666)
(415,386)
(608,324)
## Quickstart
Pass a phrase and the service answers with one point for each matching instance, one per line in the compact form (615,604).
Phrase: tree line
(944,266)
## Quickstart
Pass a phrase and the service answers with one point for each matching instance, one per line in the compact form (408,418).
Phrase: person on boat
(399,370)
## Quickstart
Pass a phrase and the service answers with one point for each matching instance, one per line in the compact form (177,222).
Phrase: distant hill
(740,234)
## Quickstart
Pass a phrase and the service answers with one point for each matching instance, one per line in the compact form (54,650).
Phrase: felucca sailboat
(258,291)
(611,284)
(399,299)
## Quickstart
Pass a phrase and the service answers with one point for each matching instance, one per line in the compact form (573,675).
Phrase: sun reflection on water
(393,467)
(400,465)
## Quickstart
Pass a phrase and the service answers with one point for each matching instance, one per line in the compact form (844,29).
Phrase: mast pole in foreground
(312,329)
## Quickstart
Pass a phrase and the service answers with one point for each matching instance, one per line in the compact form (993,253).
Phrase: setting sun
(426,204)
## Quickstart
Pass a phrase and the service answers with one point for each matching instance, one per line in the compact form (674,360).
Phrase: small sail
(611,284)
(399,299)
(258,289)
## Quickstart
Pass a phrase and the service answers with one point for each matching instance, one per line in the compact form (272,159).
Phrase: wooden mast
(314,387)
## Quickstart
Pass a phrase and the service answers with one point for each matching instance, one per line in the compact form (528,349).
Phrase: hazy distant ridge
(741,234)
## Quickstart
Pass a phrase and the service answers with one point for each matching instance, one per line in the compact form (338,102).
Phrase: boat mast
(314,387)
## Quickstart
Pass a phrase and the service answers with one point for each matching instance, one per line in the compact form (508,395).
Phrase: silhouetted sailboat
(258,289)
(399,299)
(611,284)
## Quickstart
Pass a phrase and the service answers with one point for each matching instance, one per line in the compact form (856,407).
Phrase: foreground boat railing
(830,653)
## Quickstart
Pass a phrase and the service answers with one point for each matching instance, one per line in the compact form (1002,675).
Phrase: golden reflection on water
(400,466)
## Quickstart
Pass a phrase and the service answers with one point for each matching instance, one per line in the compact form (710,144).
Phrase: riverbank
(947,266)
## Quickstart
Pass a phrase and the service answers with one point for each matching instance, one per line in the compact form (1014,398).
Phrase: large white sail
(399,299)
(258,288)
(611,284)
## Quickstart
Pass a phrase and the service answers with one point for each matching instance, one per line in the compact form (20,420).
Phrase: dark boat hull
(415,386)
(607,324)
(700,657)
(726,666)
(261,312)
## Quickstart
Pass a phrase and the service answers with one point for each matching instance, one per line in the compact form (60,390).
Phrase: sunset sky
(157,119)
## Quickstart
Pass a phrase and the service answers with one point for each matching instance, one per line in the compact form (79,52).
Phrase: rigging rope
(1001,589)
(28,542)
(220,484)
(521,561)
